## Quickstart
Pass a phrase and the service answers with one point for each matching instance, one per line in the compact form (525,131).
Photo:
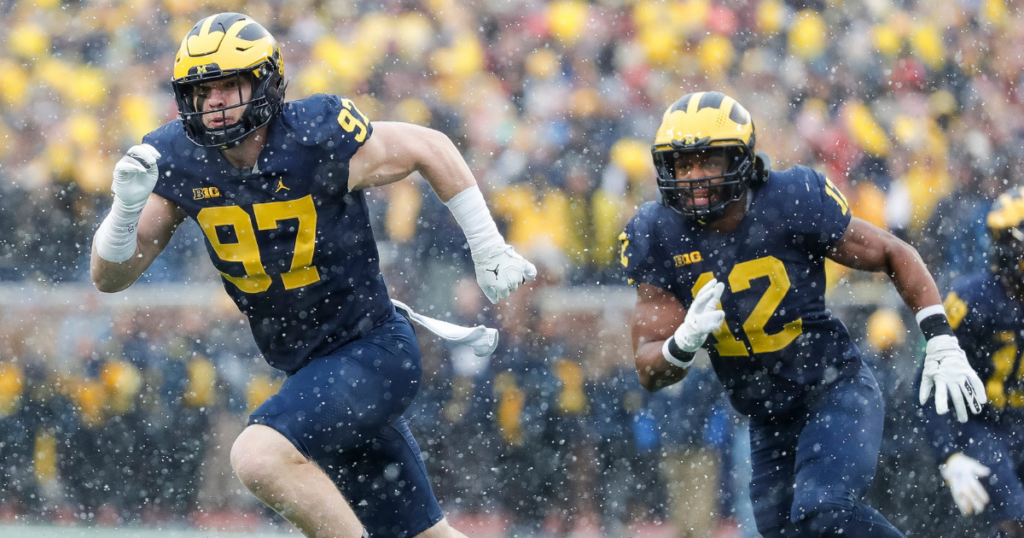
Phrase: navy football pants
(811,470)
(344,412)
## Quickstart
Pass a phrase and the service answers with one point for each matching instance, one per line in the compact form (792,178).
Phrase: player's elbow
(104,281)
(106,285)
(649,380)
(899,253)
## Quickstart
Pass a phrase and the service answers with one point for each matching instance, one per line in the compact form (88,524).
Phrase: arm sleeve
(834,213)
(641,259)
(351,128)
(818,210)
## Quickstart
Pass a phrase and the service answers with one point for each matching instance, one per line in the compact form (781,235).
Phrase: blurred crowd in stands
(911,107)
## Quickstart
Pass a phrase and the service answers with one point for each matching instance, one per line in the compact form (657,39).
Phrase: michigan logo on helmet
(705,132)
(1004,224)
(219,47)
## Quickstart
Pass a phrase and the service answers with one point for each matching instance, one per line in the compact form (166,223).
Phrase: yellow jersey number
(349,121)
(247,252)
(740,277)
(1004,362)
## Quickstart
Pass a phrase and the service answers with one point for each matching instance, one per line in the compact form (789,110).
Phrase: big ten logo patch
(687,259)
(205,192)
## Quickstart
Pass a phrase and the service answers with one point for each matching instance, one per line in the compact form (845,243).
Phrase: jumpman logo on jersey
(280,185)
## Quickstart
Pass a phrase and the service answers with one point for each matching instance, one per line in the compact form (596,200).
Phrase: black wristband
(677,352)
(935,325)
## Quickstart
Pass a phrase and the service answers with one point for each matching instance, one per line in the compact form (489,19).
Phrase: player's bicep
(863,246)
(656,316)
(393,152)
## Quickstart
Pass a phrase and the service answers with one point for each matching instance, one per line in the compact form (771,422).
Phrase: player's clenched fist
(135,176)
(702,318)
(500,270)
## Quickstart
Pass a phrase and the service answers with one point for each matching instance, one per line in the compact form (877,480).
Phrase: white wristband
(928,311)
(672,360)
(471,213)
(118,236)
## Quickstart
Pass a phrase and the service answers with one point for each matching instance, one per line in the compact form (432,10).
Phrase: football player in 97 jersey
(979,460)
(278,190)
(737,251)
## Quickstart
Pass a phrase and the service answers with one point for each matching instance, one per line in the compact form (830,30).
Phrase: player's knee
(261,455)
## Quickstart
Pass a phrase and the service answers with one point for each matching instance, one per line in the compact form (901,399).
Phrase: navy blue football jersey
(778,342)
(293,245)
(990,327)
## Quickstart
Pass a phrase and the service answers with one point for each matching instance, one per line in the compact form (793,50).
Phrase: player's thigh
(342,400)
(387,484)
(772,458)
(993,447)
(837,451)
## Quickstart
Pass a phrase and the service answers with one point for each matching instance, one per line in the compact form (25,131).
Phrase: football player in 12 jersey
(277,188)
(979,460)
(737,252)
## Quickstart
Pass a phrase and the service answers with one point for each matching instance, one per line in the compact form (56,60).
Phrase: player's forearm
(112,277)
(444,168)
(654,370)
(911,278)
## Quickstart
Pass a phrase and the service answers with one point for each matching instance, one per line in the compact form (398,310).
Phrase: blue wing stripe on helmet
(682,103)
(253,32)
(739,114)
(224,21)
(710,100)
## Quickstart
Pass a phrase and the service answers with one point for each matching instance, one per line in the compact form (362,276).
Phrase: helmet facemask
(729,164)
(265,100)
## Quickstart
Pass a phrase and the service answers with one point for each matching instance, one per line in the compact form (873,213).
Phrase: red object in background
(908,74)
(837,153)
(536,24)
(722,20)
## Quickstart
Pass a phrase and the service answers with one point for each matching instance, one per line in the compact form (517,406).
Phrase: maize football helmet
(219,47)
(706,125)
(1005,222)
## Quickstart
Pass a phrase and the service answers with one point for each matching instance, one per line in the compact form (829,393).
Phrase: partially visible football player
(979,460)
(738,251)
(278,190)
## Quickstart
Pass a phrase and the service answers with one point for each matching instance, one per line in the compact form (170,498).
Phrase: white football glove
(947,369)
(135,176)
(703,317)
(961,474)
(500,270)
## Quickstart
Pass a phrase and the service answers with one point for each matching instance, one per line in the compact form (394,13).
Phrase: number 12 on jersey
(740,277)
(247,251)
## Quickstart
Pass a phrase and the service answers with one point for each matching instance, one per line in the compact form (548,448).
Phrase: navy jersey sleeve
(642,260)
(821,210)
(329,119)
